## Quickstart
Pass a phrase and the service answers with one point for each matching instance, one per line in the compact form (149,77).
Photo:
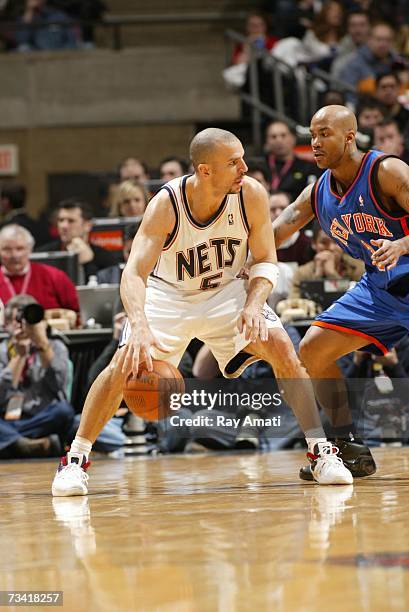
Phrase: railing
(117,23)
(307,84)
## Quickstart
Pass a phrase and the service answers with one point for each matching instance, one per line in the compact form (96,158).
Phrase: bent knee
(314,355)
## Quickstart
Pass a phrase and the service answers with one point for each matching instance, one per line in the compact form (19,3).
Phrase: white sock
(82,446)
(313,437)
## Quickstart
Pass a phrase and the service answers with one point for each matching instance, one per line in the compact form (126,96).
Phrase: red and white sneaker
(71,477)
(326,467)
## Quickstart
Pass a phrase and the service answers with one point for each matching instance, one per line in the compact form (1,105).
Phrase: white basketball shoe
(71,477)
(326,467)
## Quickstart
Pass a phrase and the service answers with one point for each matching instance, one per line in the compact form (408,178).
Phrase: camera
(31,314)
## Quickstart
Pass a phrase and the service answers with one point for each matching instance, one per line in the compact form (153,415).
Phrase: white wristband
(266,270)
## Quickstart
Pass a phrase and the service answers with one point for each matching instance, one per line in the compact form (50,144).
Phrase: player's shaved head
(337,116)
(206,142)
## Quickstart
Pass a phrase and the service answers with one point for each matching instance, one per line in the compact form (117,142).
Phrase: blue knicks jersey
(357,218)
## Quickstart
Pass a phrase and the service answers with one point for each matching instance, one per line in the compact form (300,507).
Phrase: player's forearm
(258,292)
(133,294)
(282,231)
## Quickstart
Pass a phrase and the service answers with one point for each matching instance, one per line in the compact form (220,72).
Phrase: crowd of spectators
(49,25)
(355,42)
(309,255)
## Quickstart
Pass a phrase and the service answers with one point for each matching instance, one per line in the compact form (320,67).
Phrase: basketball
(148,395)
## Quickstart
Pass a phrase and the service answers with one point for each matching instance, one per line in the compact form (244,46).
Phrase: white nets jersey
(199,257)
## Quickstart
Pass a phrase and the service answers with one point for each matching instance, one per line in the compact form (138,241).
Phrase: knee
(312,357)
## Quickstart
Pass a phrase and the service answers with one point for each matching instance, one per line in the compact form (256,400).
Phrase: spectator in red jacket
(51,287)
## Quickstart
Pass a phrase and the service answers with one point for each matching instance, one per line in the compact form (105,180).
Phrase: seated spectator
(83,10)
(389,139)
(371,59)
(329,262)
(112,275)
(292,18)
(332,96)
(298,247)
(131,200)
(40,31)
(256,36)
(51,287)
(133,169)
(369,113)
(288,171)
(387,93)
(13,210)
(172,167)
(358,28)
(321,41)
(35,415)
(74,223)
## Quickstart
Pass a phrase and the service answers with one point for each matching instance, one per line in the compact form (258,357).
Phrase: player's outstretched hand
(387,253)
(138,350)
(253,322)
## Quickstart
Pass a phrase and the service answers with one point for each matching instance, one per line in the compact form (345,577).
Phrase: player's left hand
(387,253)
(253,321)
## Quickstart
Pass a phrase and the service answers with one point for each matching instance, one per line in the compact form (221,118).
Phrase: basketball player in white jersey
(180,282)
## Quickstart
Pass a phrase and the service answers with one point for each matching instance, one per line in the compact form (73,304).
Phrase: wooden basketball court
(211,532)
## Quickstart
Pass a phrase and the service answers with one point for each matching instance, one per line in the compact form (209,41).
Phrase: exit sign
(8,160)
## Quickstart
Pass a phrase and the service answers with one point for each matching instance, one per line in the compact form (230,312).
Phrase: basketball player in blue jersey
(362,202)
(180,282)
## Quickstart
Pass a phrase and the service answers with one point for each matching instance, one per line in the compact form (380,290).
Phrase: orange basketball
(148,395)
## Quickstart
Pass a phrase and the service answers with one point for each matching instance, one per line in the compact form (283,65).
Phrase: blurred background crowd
(67,225)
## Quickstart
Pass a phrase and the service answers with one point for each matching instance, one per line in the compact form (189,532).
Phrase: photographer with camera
(34,367)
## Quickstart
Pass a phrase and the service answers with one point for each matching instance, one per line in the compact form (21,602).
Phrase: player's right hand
(138,350)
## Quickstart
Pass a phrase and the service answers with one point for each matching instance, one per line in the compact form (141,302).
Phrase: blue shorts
(370,312)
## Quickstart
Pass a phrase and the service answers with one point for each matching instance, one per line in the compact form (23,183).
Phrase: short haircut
(281,192)
(357,11)
(131,230)
(71,203)
(204,143)
(123,162)
(387,122)
(392,74)
(15,193)
(182,162)
(17,301)
(12,231)
(369,102)
(283,122)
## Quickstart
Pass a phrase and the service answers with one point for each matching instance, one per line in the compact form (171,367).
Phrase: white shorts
(175,320)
